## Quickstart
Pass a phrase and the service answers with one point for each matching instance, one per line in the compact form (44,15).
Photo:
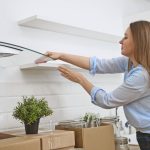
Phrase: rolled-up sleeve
(113,65)
(93,65)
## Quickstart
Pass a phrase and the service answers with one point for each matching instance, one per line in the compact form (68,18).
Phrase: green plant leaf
(31,109)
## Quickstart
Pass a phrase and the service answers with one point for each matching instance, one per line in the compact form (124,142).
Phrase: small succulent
(91,119)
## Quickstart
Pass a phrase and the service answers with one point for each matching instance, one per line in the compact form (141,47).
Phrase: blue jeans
(143,140)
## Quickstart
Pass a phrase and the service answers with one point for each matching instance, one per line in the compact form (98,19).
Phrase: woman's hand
(70,75)
(54,55)
(76,77)
(48,56)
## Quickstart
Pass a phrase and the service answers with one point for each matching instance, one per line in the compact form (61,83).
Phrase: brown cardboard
(134,147)
(51,140)
(6,136)
(58,140)
(20,143)
(95,138)
(67,148)
(78,134)
(99,138)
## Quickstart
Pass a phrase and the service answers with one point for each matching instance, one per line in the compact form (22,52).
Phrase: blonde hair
(140,31)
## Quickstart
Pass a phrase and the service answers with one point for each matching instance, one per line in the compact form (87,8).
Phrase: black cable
(18,47)
(11,47)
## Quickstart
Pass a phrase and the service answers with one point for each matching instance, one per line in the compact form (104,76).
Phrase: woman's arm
(80,61)
(95,65)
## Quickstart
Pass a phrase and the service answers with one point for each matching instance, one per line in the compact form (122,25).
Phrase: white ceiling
(130,7)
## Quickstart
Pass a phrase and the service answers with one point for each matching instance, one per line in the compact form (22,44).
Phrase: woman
(134,93)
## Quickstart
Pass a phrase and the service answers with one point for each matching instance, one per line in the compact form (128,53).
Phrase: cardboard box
(95,138)
(6,136)
(52,140)
(67,148)
(134,147)
(58,139)
(19,143)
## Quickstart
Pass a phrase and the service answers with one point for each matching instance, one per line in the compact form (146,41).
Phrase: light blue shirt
(133,94)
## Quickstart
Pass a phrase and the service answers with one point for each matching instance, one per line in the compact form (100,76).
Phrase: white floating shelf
(46,66)
(45,24)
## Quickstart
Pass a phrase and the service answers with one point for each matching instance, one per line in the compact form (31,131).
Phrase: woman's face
(127,44)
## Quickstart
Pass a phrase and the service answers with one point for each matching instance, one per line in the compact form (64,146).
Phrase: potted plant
(91,119)
(30,111)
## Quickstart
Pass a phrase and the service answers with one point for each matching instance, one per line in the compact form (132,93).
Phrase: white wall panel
(67,99)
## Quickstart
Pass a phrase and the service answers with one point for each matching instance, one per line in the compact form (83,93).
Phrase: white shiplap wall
(67,99)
